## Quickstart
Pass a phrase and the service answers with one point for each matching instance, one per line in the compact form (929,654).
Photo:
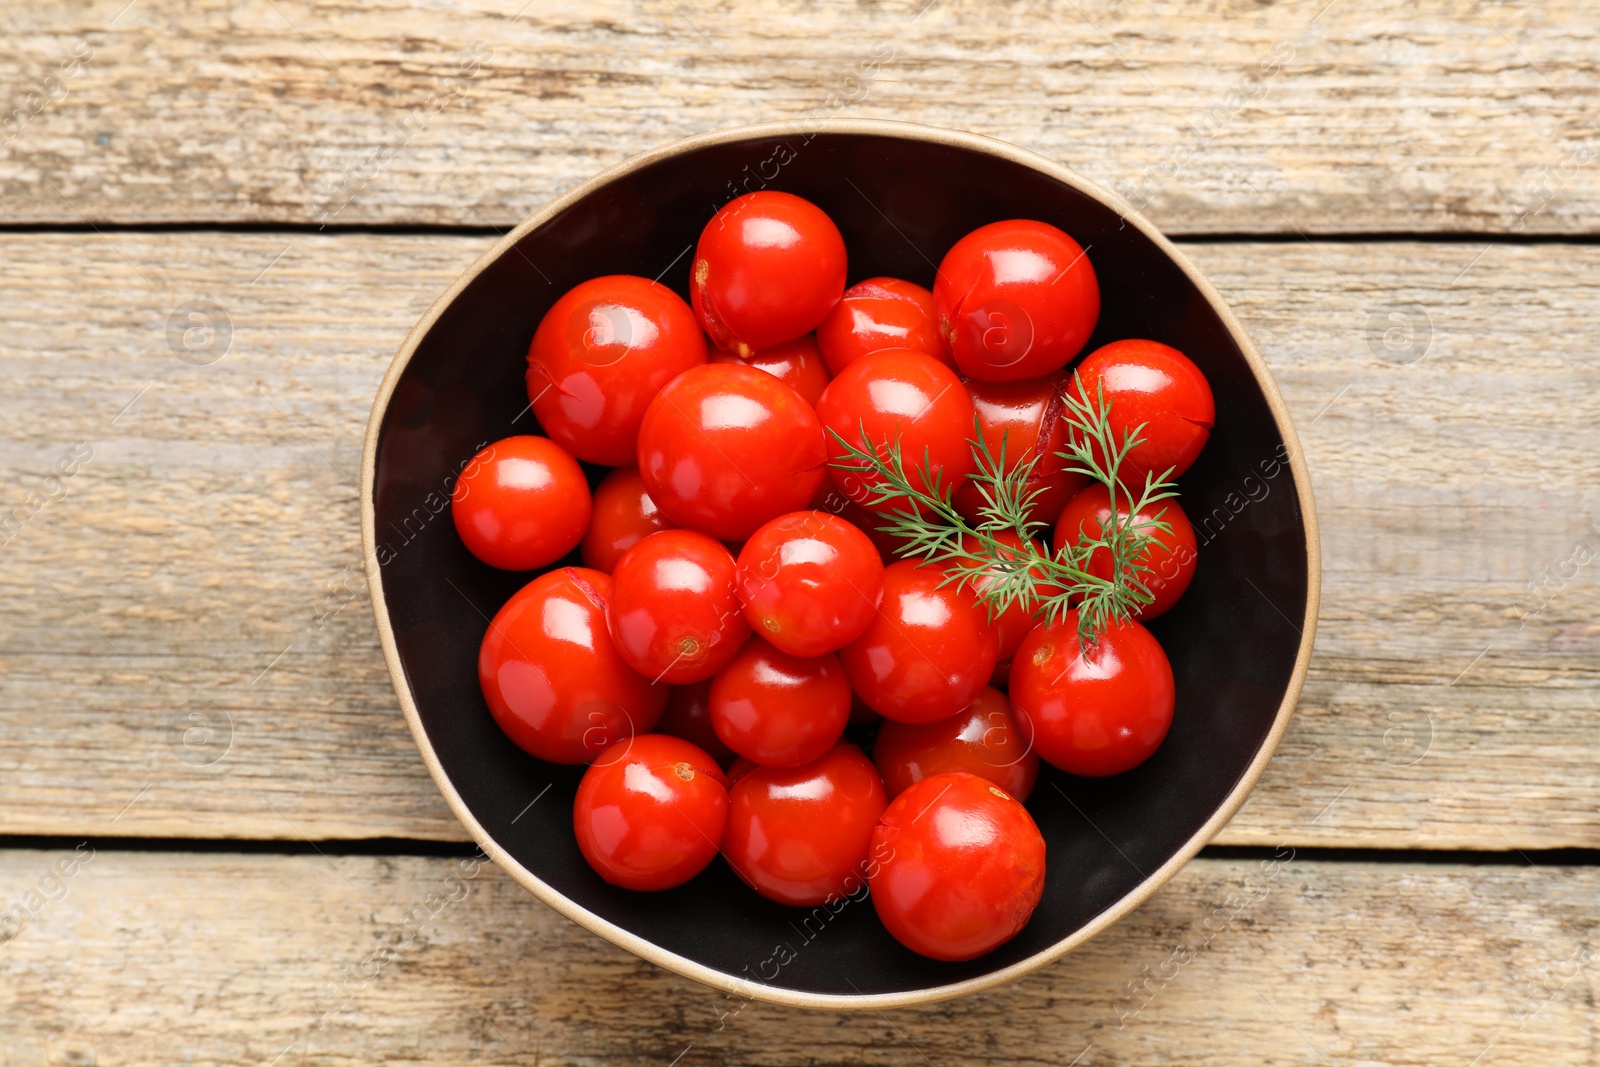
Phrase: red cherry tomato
(624,515)
(879,314)
(521,503)
(1012,624)
(768,268)
(724,449)
(650,812)
(981,739)
(1016,299)
(1171,557)
(810,582)
(796,364)
(801,835)
(601,354)
(777,709)
(1024,417)
(1147,382)
(1096,711)
(928,651)
(901,396)
(551,676)
(961,867)
(674,611)
(688,716)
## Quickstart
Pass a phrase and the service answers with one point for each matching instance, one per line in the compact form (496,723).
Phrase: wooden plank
(1221,116)
(186,568)
(306,960)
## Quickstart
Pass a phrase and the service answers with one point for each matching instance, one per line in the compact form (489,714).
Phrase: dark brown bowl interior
(900,202)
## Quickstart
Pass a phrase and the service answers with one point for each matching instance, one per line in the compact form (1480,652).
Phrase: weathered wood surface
(1223,116)
(184,958)
(183,572)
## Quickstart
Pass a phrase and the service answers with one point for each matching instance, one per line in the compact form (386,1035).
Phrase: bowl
(901,194)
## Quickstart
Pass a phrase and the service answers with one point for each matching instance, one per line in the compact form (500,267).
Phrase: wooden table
(222,217)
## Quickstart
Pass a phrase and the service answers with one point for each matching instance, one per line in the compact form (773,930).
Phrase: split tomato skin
(725,448)
(961,868)
(674,609)
(599,357)
(810,582)
(929,650)
(552,677)
(768,268)
(1171,557)
(1093,712)
(777,709)
(881,314)
(1149,383)
(1024,417)
(982,739)
(803,835)
(623,515)
(1016,299)
(797,364)
(904,396)
(521,503)
(650,812)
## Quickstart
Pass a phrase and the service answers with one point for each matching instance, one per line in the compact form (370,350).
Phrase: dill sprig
(922,516)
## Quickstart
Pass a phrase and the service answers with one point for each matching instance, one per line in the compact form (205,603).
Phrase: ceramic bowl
(902,194)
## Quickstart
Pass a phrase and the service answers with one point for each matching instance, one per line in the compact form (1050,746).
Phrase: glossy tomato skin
(769,267)
(796,364)
(674,609)
(779,710)
(962,867)
(1026,418)
(802,835)
(1171,557)
(903,396)
(600,355)
(521,503)
(982,739)
(688,716)
(1149,383)
(553,679)
(1016,299)
(623,515)
(810,582)
(928,651)
(726,448)
(880,314)
(650,812)
(1093,712)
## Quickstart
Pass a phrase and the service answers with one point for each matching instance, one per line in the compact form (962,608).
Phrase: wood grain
(1221,116)
(179,582)
(240,959)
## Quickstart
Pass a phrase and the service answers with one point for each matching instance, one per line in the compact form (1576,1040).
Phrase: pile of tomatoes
(738,607)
